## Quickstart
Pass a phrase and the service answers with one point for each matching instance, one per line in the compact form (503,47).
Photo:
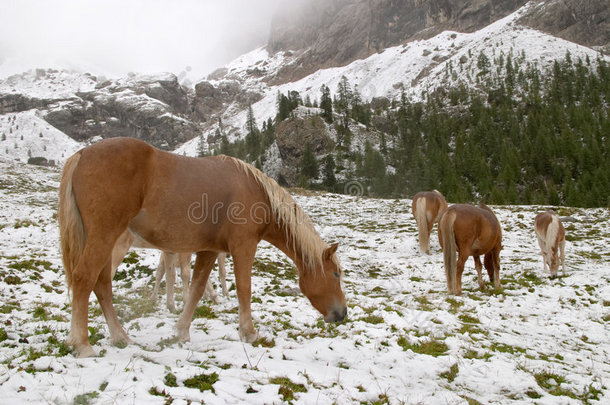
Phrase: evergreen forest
(510,134)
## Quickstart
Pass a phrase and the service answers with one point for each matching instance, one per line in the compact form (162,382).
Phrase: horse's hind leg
(84,278)
(103,292)
(492,265)
(201,272)
(461,261)
(479,269)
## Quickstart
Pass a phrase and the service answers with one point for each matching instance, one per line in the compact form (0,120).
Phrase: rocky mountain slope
(384,48)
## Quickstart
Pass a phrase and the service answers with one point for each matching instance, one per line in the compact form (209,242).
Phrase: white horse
(551,238)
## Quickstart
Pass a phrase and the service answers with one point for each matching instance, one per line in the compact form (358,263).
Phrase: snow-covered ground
(405,341)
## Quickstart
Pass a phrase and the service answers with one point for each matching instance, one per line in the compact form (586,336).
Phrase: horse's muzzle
(337,314)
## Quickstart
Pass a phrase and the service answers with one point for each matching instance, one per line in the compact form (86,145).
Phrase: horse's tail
(422,224)
(71,229)
(551,233)
(449,249)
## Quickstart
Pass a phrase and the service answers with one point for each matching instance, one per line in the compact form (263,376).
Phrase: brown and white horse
(427,207)
(551,237)
(470,231)
(180,204)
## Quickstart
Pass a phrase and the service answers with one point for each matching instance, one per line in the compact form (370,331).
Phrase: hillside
(405,341)
(445,48)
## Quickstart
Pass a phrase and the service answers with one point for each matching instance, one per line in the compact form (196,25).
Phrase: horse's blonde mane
(300,231)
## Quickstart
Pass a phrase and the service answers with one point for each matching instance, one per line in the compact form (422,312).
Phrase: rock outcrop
(153,108)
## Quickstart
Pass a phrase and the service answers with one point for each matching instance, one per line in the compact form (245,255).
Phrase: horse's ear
(330,251)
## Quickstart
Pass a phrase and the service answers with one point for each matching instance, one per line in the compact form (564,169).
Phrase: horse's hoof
(121,341)
(249,337)
(85,351)
(183,336)
(554,276)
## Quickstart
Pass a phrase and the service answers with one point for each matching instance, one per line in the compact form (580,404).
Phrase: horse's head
(553,262)
(323,287)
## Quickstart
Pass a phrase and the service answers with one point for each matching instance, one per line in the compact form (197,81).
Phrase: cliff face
(336,32)
(153,108)
(586,22)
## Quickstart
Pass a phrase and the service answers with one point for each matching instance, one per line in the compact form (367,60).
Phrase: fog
(114,37)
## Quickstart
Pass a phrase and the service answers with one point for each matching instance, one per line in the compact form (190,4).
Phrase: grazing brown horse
(551,237)
(180,204)
(427,208)
(470,231)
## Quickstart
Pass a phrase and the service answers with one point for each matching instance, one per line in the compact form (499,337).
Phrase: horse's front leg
(242,268)
(170,281)
(479,267)
(222,273)
(562,247)
(201,272)
(159,275)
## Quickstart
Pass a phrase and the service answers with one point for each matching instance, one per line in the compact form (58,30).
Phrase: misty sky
(114,37)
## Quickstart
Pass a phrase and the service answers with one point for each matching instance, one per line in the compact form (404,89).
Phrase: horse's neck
(279,238)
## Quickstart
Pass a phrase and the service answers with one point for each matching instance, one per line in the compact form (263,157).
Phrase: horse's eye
(336,274)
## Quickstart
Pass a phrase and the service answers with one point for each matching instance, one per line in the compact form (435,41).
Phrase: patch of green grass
(12,279)
(135,305)
(280,269)
(263,342)
(373,319)
(203,382)
(95,334)
(170,380)
(454,303)
(424,303)
(24,223)
(30,264)
(85,399)
(551,382)
(503,348)
(3,335)
(450,374)
(287,388)
(532,393)
(9,307)
(204,311)
(431,347)
(468,319)
(41,313)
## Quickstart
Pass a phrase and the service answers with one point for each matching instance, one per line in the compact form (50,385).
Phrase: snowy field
(405,341)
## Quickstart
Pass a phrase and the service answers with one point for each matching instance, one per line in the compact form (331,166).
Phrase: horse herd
(475,231)
(122,192)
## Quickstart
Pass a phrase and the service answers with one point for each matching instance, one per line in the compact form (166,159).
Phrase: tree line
(514,134)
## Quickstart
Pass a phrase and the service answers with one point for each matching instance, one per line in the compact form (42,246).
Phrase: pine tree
(326,104)
(201,146)
(329,181)
(309,164)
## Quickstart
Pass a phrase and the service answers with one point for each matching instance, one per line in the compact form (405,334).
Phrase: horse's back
(475,225)
(542,222)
